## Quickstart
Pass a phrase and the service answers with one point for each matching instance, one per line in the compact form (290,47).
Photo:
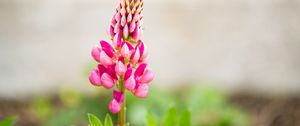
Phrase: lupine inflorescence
(124,64)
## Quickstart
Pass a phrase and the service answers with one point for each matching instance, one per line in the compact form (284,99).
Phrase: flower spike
(123,63)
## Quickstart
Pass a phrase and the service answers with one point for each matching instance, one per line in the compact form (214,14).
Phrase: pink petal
(111,31)
(114,106)
(107,81)
(118,96)
(95,77)
(118,27)
(123,12)
(113,21)
(136,17)
(106,45)
(129,17)
(143,49)
(105,59)
(135,34)
(147,77)
(144,60)
(96,53)
(118,17)
(101,69)
(130,46)
(141,91)
(111,71)
(141,46)
(132,26)
(140,70)
(123,20)
(120,68)
(128,73)
(125,31)
(117,40)
(108,52)
(125,50)
(129,84)
(135,56)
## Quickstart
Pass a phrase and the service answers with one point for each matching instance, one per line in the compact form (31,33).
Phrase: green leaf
(9,121)
(108,120)
(185,118)
(170,117)
(94,121)
(150,119)
(127,124)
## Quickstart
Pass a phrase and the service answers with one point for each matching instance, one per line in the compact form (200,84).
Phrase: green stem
(121,114)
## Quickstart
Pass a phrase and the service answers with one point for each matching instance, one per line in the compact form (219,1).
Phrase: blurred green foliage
(170,118)
(8,121)
(196,106)
(151,121)
(185,118)
(43,107)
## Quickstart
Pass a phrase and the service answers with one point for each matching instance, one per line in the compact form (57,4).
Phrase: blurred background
(237,62)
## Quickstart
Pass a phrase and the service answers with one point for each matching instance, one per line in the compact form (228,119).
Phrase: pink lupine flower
(123,64)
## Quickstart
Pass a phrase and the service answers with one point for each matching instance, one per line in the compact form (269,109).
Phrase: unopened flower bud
(107,81)
(147,77)
(129,84)
(105,59)
(141,91)
(96,53)
(120,68)
(114,106)
(135,56)
(95,77)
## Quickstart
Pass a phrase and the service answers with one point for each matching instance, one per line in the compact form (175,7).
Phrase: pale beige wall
(252,44)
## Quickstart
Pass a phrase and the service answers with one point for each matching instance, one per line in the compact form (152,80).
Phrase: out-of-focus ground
(209,108)
(251,45)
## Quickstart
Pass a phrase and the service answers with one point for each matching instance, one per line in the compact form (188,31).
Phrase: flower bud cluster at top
(125,62)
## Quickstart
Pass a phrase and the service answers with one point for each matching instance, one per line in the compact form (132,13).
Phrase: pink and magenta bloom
(124,63)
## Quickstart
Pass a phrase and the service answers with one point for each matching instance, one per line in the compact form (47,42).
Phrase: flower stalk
(122,113)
